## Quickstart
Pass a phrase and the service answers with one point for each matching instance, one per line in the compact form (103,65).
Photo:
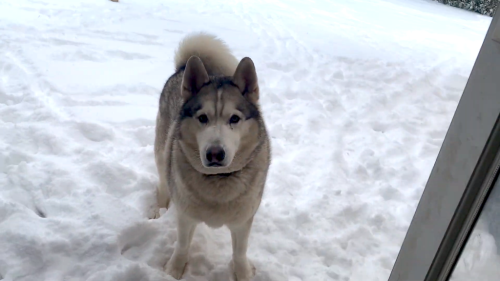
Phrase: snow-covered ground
(357,95)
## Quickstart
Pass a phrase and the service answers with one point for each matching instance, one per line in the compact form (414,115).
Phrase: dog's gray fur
(209,81)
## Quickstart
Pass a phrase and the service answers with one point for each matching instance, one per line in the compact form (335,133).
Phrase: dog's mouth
(217,169)
(221,175)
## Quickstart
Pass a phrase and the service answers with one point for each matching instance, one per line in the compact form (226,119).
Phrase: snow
(357,96)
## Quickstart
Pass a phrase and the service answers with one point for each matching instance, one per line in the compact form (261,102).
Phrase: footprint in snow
(95,132)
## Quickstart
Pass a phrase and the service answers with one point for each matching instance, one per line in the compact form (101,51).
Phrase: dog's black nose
(215,155)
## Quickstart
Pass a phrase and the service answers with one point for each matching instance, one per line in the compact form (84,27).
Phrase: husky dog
(212,149)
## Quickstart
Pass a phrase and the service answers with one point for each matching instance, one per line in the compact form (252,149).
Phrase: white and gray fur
(212,149)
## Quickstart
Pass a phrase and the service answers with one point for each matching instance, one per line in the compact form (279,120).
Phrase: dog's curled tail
(213,52)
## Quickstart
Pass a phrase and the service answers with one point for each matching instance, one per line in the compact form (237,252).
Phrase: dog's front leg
(162,194)
(243,269)
(185,230)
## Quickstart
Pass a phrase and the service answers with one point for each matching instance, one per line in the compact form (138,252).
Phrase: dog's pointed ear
(195,76)
(245,77)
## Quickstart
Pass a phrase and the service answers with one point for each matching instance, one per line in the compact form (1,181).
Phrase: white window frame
(462,176)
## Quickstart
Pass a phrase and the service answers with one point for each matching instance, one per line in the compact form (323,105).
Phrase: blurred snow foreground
(357,96)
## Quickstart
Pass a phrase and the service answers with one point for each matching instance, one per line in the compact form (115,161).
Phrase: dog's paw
(176,266)
(243,270)
(154,213)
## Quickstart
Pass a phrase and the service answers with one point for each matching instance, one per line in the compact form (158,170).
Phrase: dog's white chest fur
(225,203)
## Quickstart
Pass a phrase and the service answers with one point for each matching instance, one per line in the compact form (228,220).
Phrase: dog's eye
(234,119)
(203,119)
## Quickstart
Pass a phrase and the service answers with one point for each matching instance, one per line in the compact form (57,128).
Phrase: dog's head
(220,120)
